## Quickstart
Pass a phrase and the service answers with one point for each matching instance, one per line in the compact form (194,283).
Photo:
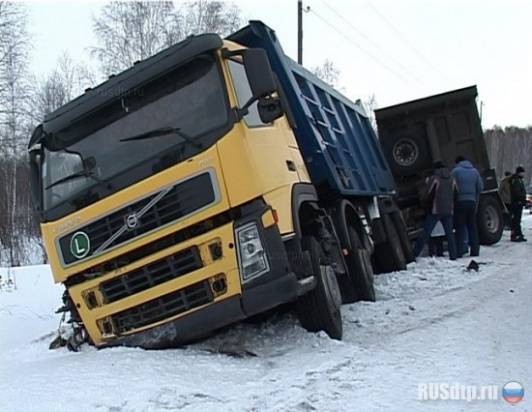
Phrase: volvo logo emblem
(132,221)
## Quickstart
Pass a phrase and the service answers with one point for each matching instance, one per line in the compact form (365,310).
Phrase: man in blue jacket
(469,184)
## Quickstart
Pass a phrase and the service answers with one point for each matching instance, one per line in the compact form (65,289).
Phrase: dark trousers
(507,216)
(517,214)
(430,222)
(465,223)
(436,246)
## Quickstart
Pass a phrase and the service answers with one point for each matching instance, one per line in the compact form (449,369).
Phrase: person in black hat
(441,189)
(518,201)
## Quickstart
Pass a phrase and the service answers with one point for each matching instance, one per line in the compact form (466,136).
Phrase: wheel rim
(491,219)
(405,152)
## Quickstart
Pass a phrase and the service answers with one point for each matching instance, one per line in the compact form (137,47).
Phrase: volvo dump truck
(209,183)
(442,127)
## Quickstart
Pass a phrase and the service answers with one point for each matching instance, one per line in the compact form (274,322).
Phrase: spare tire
(408,155)
(490,220)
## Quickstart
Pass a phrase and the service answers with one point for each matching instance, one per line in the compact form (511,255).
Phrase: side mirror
(269,109)
(259,72)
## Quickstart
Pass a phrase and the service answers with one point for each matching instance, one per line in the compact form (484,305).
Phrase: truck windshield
(190,103)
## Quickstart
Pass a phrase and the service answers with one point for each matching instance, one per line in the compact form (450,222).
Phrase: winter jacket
(517,190)
(504,190)
(441,189)
(468,181)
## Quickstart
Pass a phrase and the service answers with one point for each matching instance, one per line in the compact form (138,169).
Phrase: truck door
(273,148)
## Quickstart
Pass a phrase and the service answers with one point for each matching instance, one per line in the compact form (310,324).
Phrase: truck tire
(320,309)
(490,220)
(408,155)
(402,232)
(358,284)
(389,256)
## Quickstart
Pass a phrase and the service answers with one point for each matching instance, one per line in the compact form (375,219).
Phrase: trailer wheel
(489,220)
(358,282)
(402,232)
(320,308)
(389,256)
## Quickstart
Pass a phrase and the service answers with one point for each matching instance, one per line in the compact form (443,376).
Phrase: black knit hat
(519,169)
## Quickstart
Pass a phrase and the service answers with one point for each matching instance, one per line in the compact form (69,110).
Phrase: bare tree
(208,16)
(14,51)
(132,31)
(327,72)
(58,87)
(13,42)
(510,147)
(370,104)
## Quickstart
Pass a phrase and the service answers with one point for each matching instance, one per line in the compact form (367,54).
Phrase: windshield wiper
(81,173)
(163,131)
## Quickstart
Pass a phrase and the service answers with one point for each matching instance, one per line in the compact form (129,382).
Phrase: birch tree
(14,56)
(328,72)
(130,31)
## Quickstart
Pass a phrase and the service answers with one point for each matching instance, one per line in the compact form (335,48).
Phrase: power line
(357,45)
(368,39)
(405,39)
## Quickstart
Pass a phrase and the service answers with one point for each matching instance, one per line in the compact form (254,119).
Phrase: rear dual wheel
(389,255)
(358,282)
(490,220)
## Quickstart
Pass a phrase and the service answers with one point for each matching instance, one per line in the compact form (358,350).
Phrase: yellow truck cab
(174,199)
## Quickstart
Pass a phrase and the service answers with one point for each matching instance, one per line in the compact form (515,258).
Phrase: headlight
(251,255)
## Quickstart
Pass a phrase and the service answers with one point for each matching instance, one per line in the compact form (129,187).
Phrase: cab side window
(243,93)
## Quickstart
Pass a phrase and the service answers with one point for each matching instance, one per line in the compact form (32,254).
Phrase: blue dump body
(334,134)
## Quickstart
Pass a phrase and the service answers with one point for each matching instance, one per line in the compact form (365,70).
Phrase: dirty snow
(435,322)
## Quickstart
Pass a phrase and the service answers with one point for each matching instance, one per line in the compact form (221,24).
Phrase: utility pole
(300,31)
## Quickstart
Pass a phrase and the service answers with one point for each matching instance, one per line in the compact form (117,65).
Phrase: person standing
(470,186)
(506,197)
(441,189)
(518,201)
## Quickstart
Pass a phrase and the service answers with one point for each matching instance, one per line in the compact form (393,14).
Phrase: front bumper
(200,323)
(117,310)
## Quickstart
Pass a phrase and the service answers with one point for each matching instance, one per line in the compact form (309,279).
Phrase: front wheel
(490,220)
(319,309)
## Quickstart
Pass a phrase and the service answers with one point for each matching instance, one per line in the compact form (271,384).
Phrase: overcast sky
(397,50)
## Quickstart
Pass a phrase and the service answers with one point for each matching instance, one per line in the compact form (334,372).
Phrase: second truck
(442,127)
(209,183)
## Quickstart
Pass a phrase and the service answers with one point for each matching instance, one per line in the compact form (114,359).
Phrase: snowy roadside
(433,323)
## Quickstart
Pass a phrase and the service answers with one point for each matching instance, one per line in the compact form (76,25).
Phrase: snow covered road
(434,323)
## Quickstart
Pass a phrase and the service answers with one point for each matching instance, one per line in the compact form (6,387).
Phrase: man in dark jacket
(518,201)
(469,184)
(441,188)
(504,192)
